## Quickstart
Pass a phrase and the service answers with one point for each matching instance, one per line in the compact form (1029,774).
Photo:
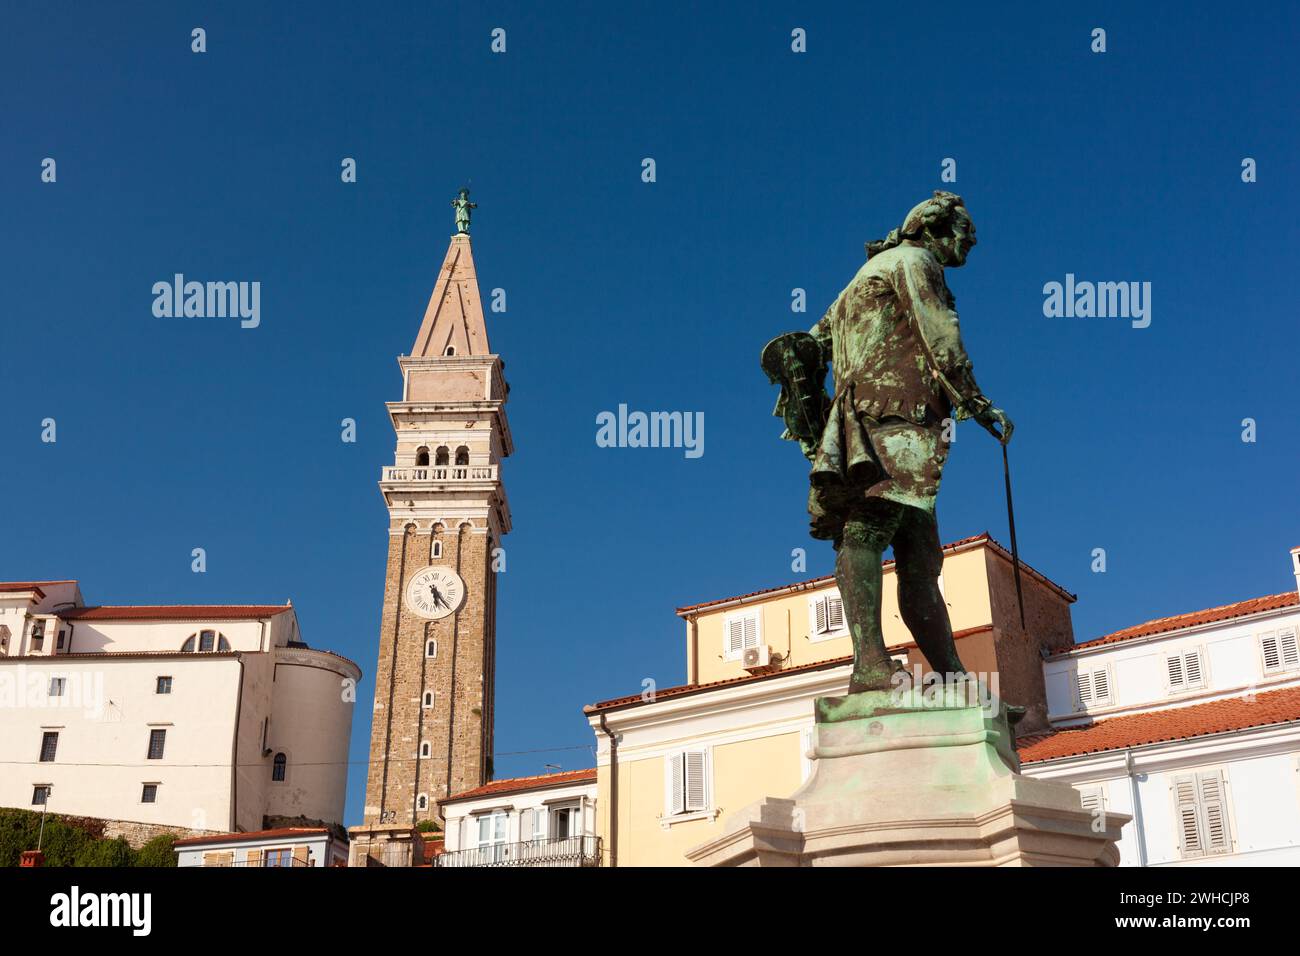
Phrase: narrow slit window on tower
(428,698)
(426,750)
(422,803)
(278,766)
(437,549)
(431,648)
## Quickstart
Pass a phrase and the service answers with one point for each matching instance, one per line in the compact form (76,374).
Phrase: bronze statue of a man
(900,373)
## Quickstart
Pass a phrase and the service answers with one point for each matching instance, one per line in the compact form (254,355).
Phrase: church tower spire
(431,734)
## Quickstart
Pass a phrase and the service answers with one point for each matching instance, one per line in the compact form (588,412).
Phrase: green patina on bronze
(878,445)
(463,206)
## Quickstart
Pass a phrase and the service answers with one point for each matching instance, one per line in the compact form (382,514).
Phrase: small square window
(40,795)
(164,685)
(150,793)
(157,741)
(57,685)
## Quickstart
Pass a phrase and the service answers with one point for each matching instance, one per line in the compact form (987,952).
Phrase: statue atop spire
(463,207)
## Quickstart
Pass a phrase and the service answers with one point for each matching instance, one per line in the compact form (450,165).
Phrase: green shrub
(157,852)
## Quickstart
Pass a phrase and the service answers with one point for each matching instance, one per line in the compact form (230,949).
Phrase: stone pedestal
(916,778)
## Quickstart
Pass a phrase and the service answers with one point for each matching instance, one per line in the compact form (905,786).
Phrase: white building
(547,820)
(201,719)
(280,847)
(1191,724)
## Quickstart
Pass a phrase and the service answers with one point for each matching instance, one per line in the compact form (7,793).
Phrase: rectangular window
(40,794)
(492,834)
(1185,672)
(1093,688)
(57,684)
(38,635)
(62,637)
(164,686)
(49,745)
(826,615)
(1201,807)
(685,782)
(564,823)
(149,794)
(742,631)
(157,741)
(279,857)
(206,639)
(1279,650)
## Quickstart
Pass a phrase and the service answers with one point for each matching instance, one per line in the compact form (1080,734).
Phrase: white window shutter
(674,772)
(751,631)
(1101,686)
(1189,827)
(819,609)
(695,780)
(527,825)
(1175,671)
(834,613)
(735,636)
(1215,811)
(1268,645)
(1085,688)
(1092,798)
(1192,668)
(1289,648)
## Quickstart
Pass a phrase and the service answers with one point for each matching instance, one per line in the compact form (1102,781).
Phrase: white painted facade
(1224,799)
(545,818)
(305,848)
(154,728)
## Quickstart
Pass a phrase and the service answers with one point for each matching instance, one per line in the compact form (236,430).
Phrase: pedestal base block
(916,778)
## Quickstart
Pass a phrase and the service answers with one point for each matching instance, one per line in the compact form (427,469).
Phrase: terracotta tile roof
(279,833)
(175,612)
(29,585)
(685,689)
(515,784)
(1177,723)
(813,583)
(1224,612)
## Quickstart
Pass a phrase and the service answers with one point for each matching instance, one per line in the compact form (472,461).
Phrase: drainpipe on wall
(692,651)
(613,791)
(234,750)
(1137,807)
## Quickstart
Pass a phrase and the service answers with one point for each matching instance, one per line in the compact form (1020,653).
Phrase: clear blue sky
(773,169)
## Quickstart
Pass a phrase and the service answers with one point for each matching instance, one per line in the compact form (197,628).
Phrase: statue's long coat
(884,438)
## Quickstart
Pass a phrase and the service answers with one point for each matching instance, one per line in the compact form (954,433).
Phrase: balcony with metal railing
(575,851)
(440,473)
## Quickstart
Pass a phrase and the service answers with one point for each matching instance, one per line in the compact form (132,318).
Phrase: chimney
(1295,565)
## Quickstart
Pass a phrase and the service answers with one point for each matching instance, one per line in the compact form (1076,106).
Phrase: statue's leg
(857,571)
(919,559)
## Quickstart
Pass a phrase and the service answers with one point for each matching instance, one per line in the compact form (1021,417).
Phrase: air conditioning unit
(755,658)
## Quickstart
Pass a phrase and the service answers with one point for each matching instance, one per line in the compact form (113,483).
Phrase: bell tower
(431,731)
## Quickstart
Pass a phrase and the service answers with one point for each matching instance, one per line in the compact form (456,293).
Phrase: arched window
(462,455)
(278,767)
(440,457)
(431,648)
(205,642)
(422,802)
(451,350)
(421,457)
(437,549)
(426,750)
(428,698)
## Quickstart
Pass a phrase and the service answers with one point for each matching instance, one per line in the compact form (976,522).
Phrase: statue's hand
(996,423)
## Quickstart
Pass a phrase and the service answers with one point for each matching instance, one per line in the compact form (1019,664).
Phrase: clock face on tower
(435,592)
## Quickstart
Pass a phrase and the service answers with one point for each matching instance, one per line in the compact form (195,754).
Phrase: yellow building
(673,763)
